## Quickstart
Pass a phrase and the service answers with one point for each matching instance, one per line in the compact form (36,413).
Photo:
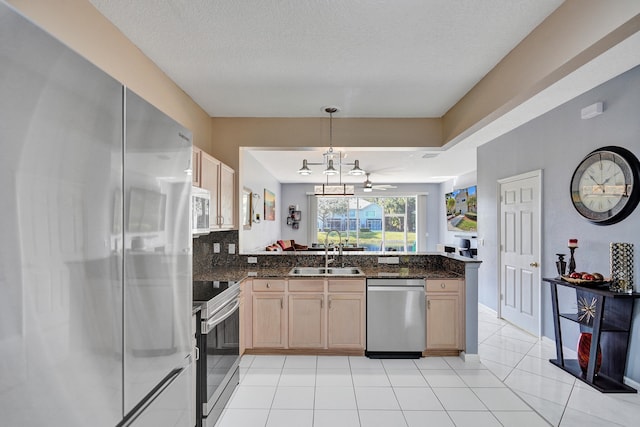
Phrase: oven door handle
(214,321)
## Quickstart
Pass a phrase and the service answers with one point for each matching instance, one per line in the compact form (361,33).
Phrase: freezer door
(168,406)
(157,248)
(60,219)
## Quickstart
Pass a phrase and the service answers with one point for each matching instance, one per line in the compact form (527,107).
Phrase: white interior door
(520,250)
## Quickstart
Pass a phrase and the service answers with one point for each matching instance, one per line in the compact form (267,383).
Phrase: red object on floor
(584,347)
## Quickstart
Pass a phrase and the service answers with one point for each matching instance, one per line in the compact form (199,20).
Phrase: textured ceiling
(373,58)
(288,58)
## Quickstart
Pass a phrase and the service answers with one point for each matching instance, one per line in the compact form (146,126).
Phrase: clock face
(604,185)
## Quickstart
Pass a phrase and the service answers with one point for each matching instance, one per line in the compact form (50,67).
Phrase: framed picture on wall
(269,205)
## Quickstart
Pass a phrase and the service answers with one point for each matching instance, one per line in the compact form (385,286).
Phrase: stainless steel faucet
(326,248)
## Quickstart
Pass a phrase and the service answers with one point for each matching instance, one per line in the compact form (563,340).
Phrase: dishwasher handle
(402,288)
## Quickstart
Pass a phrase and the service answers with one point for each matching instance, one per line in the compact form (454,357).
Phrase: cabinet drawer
(265,285)
(346,285)
(306,285)
(444,285)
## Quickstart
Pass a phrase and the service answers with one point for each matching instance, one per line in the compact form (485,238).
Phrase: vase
(584,347)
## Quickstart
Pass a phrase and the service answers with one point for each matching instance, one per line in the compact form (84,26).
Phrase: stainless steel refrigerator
(95,244)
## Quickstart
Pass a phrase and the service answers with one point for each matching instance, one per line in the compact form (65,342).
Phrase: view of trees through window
(373,223)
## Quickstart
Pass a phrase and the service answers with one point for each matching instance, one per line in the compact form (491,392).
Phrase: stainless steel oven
(219,346)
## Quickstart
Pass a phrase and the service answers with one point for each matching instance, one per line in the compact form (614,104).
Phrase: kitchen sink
(322,271)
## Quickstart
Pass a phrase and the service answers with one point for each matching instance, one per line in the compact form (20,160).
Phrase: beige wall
(231,133)
(79,25)
(576,32)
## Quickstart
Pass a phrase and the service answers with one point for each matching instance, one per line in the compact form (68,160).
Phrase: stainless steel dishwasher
(395,318)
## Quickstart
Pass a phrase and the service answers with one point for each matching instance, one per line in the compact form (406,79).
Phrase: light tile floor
(514,385)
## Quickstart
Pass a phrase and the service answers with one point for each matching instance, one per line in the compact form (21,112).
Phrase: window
(374,223)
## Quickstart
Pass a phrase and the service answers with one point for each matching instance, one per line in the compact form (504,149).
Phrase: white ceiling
(288,58)
(403,58)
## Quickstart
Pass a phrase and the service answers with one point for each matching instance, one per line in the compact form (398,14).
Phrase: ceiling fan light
(304,170)
(367,189)
(356,171)
(330,170)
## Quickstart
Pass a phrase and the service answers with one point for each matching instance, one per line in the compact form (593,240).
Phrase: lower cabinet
(306,320)
(445,314)
(268,314)
(346,321)
(313,313)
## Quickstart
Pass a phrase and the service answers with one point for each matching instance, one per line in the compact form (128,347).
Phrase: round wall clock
(605,187)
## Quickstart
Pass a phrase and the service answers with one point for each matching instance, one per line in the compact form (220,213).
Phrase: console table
(610,328)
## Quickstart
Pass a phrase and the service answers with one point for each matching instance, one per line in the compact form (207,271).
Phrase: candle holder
(572,260)
(561,264)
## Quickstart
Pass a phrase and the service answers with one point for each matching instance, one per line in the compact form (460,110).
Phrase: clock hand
(593,179)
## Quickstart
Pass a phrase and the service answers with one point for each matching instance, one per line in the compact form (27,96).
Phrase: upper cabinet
(195,166)
(213,175)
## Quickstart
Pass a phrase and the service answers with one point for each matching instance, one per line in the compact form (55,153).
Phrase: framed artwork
(269,206)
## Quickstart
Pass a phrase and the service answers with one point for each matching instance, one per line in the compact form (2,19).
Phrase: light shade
(334,190)
(304,170)
(356,171)
(330,170)
(367,189)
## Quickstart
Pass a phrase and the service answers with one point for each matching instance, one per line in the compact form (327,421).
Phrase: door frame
(537,173)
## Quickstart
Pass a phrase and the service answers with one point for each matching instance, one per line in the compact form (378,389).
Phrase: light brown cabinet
(445,314)
(195,166)
(269,314)
(346,313)
(306,320)
(306,314)
(213,175)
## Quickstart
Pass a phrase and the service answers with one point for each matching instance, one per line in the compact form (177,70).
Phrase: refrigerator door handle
(149,398)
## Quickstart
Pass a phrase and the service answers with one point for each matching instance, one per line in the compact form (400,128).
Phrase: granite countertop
(225,274)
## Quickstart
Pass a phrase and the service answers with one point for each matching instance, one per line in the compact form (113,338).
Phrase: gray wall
(555,143)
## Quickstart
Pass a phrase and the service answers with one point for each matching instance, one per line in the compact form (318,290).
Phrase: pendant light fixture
(332,160)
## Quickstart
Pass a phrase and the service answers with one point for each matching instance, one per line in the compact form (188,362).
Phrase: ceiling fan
(368,186)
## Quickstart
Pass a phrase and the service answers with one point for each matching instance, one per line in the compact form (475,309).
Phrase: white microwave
(200,208)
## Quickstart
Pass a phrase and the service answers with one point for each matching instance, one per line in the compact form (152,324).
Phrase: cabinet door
(306,321)
(209,173)
(226,197)
(346,321)
(443,322)
(269,320)
(195,166)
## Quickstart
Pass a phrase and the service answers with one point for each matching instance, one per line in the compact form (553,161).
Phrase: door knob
(534,264)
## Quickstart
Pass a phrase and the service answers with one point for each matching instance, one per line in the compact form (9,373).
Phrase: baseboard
(631,383)
(485,307)
(472,358)
(568,353)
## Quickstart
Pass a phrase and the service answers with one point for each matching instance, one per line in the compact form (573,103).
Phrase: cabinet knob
(268,285)
(443,285)
(428,304)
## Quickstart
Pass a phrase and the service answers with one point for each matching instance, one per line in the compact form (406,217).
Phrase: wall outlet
(216,248)
(232,248)
(389,260)
(252,260)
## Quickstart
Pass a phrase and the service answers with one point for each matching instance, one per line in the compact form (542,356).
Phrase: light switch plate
(232,248)
(252,260)
(216,248)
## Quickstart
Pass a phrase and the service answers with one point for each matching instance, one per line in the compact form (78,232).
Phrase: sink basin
(321,271)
